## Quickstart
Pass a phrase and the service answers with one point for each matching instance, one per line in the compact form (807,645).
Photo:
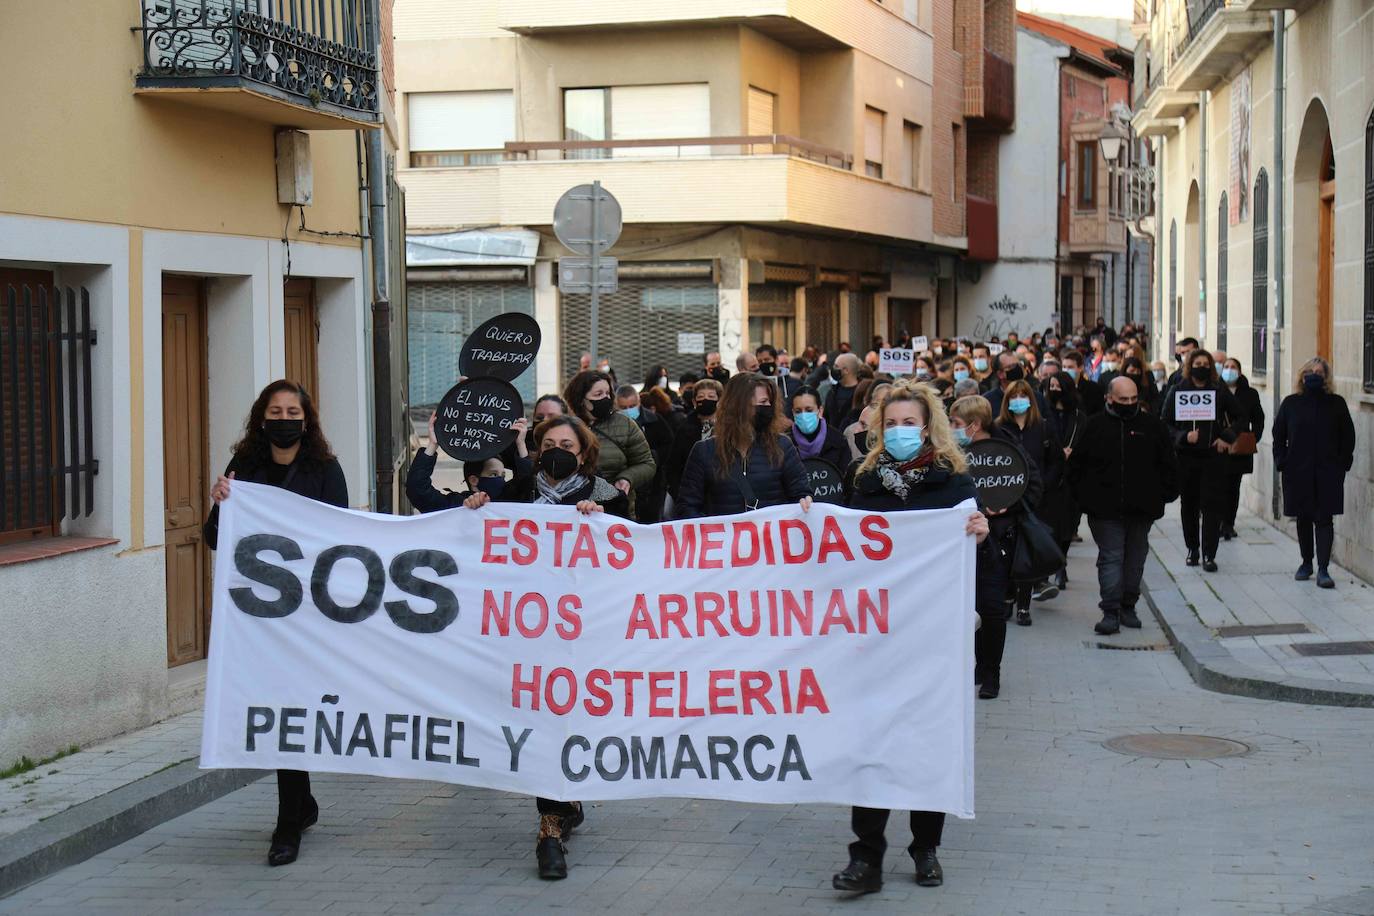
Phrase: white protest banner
(921,344)
(772,657)
(1195,405)
(896,361)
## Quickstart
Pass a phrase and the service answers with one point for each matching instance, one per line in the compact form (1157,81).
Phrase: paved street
(1064,825)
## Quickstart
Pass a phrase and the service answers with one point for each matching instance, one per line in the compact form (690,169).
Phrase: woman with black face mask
(1314,448)
(626,460)
(747,464)
(1202,447)
(283,446)
(700,423)
(566,462)
(1058,508)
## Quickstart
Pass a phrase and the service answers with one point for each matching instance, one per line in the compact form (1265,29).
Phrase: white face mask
(663,381)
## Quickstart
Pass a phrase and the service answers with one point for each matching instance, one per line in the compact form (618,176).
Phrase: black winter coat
(1230,421)
(835,450)
(1041,445)
(703,492)
(1091,396)
(1059,507)
(649,498)
(423,495)
(321,482)
(688,435)
(1249,401)
(941,489)
(1124,469)
(1314,448)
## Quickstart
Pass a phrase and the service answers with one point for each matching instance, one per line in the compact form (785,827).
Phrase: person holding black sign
(914,464)
(1204,419)
(487,474)
(747,464)
(567,459)
(812,434)
(284,446)
(1314,448)
(1123,472)
(624,455)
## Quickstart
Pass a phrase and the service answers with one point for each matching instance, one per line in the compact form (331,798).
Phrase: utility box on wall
(295,181)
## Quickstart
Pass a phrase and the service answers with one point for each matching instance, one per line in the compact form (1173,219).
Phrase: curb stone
(90,828)
(1213,667)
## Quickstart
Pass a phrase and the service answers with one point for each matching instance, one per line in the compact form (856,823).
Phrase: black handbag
(1037,555)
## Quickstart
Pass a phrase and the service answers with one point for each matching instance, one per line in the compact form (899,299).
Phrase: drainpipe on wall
(381,304)
(365,249)
(1202,226)
(1276,332)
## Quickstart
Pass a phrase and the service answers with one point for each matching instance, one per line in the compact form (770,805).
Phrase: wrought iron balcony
(310,64)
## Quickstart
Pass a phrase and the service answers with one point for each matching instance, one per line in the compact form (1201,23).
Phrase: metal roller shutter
(823,317)
(441,316)
(640,324)
(861,321)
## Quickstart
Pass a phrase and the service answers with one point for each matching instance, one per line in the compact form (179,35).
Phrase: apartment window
(956,157)
(875,124)
(460,128)
(638,113)
(1086,174)
(1223,214)
(1259,281)
(762,112)
(1173,275)
(911,154)
(1369,255)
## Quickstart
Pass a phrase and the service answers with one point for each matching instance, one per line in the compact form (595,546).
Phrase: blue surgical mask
(902,442)
(960,374)
(922,374)
(961,436)
(1018,406)
(980,364)
(631,412)
(808,421)
(1072,373)
(1230,376)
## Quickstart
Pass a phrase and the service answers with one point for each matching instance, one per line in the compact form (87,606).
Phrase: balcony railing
(681,148)
(1199,13)
(314,53)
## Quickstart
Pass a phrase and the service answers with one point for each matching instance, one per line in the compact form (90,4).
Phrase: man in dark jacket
(1123,472)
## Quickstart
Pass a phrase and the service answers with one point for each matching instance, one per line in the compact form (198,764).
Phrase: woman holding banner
(283,446)
(566,460)
(625,458)
(914,463)
(811,432)
(747,464)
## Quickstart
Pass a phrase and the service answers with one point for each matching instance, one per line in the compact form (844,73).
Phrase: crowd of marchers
(1096,421)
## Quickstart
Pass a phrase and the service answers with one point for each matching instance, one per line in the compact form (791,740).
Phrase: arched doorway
(1314,237)
(1192,268)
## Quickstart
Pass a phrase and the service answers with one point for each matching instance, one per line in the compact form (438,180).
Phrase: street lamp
(1111,139)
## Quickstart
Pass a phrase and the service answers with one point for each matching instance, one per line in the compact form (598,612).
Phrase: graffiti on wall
(1239,198)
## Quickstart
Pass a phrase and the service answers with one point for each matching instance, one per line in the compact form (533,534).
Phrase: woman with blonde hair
(1314,448)
(1020,421)
(913,463)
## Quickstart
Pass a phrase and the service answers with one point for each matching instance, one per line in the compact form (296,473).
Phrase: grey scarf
(553,494)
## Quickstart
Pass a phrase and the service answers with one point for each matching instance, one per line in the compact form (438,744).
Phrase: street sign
(501,347)
(475,419)
(575,275)
(896,361)
(1197,406)
(998,469)
(825,480)
(587,219)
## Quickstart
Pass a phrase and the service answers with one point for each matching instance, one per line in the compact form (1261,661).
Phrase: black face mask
(492,486)
(1125,411)
(1313,382)
(720,374)
(1014,374)
(768,368)
(835,373)
(283,433)
(602,409)
(558,463)
(861,441)
(1200,374)
(706,407)
(763,417)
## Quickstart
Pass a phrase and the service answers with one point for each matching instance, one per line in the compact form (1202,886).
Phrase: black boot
(286,839)
(1209,564)
(1129,618)
(1192,557)
(991,684)
(1062,579)
(859,877)
(1304,571)
(1023,617)
(1109,625)
(552,858)
(1324,579)
(928,870)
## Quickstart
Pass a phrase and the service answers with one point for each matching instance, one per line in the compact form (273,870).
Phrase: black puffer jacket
(703,492)
(1124,468)
(323,482)
(1230,420)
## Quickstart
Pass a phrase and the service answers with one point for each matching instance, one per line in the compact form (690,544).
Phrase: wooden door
(904,316)
(185,478)
(1326,261)
(302,335)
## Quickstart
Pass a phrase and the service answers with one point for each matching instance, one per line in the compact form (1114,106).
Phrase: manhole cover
(1176,747)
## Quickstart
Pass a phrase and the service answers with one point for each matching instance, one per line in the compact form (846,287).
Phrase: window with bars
(47,463)
(1223,217)
(1368,375)
(1259,283)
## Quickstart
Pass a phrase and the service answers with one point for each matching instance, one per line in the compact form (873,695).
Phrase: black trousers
(1320,528)
(293,798)
(870,823)
(1228,515)
(1202,494)
(989,642)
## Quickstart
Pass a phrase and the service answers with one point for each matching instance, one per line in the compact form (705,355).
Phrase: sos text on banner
(779,656)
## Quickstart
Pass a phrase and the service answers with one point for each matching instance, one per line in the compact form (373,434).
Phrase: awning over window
(478,247)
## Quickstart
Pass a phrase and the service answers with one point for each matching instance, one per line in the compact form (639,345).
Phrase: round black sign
(998,470)
(825,480)
(500,347)
(475,418)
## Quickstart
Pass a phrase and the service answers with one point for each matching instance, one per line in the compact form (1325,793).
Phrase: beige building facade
(1265,229)
(181,223)
(787,172)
